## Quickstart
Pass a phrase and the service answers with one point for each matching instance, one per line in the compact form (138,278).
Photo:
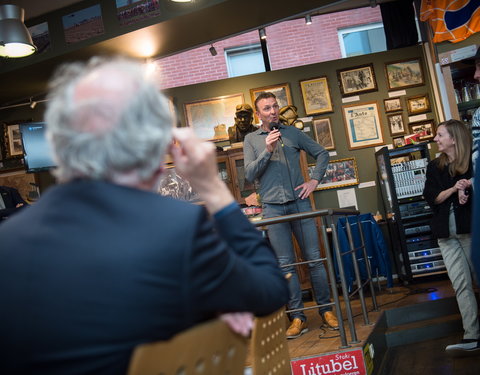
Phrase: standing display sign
(344,363)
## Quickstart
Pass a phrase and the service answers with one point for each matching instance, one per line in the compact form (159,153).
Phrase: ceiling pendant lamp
(15,40)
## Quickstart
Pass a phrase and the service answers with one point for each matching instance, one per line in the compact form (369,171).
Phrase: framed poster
(398,142)
(418,104)
(362,125)
(357,80)
(425,130)
(395,124)
(316,95)
(392,105)
(281,91)
(404,73)
(322,129)
(340,173)
(210,118)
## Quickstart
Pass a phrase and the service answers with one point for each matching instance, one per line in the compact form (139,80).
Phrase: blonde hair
(463,148)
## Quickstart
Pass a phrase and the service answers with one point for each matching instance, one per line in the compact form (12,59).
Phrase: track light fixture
(308,19)
(213,51)
(263,34)
(15,40)
(33,103)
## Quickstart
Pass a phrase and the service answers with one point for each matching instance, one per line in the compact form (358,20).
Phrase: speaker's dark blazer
(93,269)
(11,197)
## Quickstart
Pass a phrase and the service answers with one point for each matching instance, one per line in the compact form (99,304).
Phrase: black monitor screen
(36,149)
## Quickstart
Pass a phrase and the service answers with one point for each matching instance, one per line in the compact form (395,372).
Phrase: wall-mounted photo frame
(340,173)
(404,73)
(425,130)
(363,125)
(13,140)
(392,105)
(316,95)
(357,80)
(83,24)
(322,130)
(418,104)
(398,142)
(175,186)
(396,124)
(210,118)
(281,91)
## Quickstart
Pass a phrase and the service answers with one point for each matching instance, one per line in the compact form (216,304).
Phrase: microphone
(274,126)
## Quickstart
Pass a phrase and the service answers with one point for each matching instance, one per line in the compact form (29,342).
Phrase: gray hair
(118,127)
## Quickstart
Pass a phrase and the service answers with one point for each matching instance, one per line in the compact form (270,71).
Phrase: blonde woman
(449,194)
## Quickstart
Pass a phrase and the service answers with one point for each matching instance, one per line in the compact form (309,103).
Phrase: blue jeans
(305,232)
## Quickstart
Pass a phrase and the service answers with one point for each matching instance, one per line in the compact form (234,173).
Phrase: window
(244,60)
(361,40)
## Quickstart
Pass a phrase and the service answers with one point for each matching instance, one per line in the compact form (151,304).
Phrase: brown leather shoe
(297,328)
(330,320)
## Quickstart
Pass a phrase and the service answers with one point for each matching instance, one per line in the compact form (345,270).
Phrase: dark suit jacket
(11,197)
(93,269)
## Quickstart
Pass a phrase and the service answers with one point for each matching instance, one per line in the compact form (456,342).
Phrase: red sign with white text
(345,363)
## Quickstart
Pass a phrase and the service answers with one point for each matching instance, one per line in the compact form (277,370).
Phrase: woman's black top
(437,181)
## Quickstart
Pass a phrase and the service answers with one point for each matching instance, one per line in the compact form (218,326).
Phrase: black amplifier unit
(414,209)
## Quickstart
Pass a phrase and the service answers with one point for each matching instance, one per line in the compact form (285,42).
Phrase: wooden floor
(320,340)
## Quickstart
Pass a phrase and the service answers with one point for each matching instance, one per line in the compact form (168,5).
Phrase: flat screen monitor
(36,149)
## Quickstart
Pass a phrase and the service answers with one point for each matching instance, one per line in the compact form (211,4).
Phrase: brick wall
(290,43)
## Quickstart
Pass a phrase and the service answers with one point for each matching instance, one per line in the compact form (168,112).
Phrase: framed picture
(395,124)
(281,91)
(173,185)
(340,173)
(392,105)
(316,95)
(398,142)
(362,125)
(418,104)
(404,73)
(13,140)
(322,129)
(210,118)
(357,80)
(425,130)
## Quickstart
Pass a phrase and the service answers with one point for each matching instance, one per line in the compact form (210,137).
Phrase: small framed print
(357,80)
(281,91)
(404,73)
(340,173)
(362,125)
(418,104)
(398,142)
(316,96)
(322,129)
(395,124)
(425,130)
(13,140)
(392,105)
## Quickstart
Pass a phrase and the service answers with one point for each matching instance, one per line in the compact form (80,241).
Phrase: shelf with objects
(402,174)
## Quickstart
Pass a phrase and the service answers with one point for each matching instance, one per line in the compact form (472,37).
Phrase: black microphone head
(274,126)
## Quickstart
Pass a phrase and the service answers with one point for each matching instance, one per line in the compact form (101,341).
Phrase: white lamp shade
(15,40)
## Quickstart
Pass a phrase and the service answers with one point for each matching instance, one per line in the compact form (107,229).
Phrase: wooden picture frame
(357,80)
(322,130)
(363,125)
(281,91)
(210,118)
(13,140)
(339,173)
(392,105)
(418,104)
(316,95)
(396,124)
(404,73)
(424,129)
(175,186)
